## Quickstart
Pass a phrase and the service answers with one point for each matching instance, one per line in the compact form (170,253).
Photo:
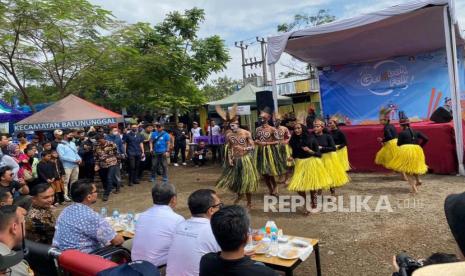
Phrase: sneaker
(184,164)
(67,199)
(176,164)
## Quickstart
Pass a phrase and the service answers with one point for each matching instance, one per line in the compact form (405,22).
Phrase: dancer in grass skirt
(310,174)
(388,142)
(283,135)
(240,176)
(410,158)
(267,155)
(329,157)
(341,142)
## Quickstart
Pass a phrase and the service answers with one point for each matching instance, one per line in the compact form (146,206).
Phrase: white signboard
(4,127)
(242,109)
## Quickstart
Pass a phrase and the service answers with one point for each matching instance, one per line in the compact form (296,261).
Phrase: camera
(407,265)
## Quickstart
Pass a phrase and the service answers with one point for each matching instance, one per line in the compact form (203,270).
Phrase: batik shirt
(79,227)
(106,155)
(40,225)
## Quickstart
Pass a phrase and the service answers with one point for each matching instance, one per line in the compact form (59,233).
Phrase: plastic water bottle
(267,240)
(115,215)
(274,247)
(272,226)
(103,212)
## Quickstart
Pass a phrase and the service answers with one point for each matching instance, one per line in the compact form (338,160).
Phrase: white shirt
(154,234)
(216,130)
(195,132)
(193,239)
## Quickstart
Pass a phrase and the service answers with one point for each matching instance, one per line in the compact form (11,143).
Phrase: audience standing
(134,150)
(68,154)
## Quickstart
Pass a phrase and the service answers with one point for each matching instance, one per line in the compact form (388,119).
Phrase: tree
(221,88)
(302,21)
(157,67)
(48,42)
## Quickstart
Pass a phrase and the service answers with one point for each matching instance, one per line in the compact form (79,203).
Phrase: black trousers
(179,147)
(109,178)
(160,163)
(198,161)
(215,153)
(134,163)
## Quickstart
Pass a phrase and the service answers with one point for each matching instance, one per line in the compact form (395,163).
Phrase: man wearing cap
(135,151)
(160,145)
(70,158)
(11,236)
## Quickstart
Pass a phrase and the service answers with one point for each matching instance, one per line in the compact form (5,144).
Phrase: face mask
(115,133)
(134,130)
(92,140)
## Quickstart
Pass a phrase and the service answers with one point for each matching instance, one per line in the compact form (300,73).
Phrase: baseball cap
(135,268)
(58,132)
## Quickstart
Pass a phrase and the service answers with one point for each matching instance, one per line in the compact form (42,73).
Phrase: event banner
(65,124)
(415,84)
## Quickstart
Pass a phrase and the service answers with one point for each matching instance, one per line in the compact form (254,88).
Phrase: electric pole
(263,45)
(242,46)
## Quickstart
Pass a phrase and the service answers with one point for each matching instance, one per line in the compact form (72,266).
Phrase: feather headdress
(227,116)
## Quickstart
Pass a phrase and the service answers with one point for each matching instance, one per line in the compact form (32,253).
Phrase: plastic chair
(117,254)
(76,263)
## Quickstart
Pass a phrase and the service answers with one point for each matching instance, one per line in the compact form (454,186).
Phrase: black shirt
(339,138)
(409,136)
(212,264)
(13,187)
(390,132)
(326,142)
(133,141)
(297,142)
(180,136)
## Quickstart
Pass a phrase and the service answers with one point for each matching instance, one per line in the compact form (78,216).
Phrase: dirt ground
(351,243)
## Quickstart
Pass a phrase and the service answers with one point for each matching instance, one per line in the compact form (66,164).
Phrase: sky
(242,20)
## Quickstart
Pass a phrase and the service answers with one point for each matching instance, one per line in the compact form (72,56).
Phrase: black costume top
(409,136)
(297,142)
(326,142)
(390,133)
(339,138)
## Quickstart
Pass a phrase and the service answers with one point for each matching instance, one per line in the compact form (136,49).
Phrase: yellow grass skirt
(240,178)
(285,151)
(386,153)
(268,160)
(309,175)
(409,159)
(335,170)
(343,155)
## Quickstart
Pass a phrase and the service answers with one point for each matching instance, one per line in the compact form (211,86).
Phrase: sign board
(65,124)
(242,109)
(4,127)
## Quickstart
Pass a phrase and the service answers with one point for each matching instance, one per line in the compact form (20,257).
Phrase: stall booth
(408,57)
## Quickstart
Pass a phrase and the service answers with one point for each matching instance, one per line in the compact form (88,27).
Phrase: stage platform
(440,151)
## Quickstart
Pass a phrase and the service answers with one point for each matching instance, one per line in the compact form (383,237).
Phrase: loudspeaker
(441,115)
(264,101)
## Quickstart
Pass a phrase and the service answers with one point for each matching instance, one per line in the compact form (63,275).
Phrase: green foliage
(304,20)
(221,88)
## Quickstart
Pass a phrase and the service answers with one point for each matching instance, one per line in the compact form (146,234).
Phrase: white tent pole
(454,87)
(274,88)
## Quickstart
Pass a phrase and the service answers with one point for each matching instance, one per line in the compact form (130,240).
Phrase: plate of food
(261,248)
(288,253)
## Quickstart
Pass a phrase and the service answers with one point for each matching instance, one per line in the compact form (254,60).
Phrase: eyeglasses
(219,205)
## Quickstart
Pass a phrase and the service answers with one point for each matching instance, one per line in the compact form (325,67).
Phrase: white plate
(283,239)
(288,254)
(261,249)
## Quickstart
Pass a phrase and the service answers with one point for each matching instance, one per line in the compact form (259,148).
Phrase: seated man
(79,227)
(19,190)
(156,227)
(11,229)
(194,237)
(40,221)
(200,155)
(230,225)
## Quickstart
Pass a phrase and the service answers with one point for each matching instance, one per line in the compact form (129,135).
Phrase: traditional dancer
(241,176)
(266,155)
(283,135)
(309,171)
(410,158)
(329,157)
(341,142)
(389,142)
